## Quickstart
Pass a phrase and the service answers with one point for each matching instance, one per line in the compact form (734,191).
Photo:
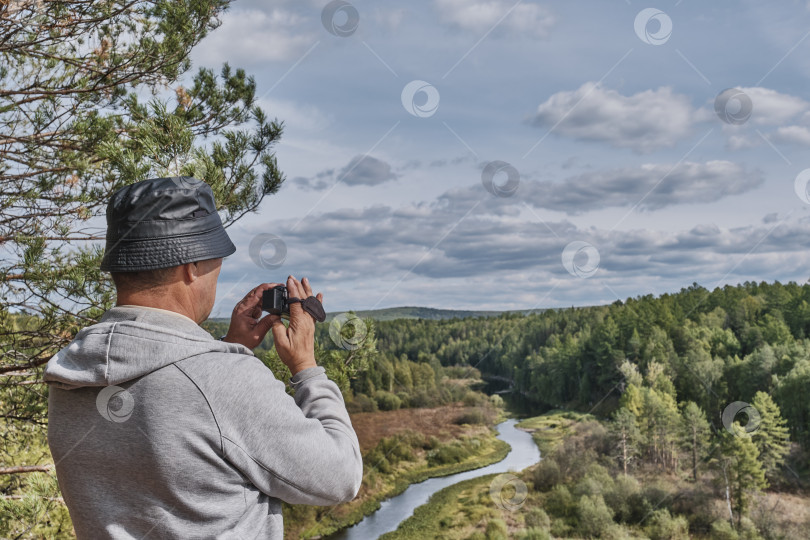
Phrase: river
(392,512)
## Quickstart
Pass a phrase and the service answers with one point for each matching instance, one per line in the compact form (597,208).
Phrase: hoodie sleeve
(302,450)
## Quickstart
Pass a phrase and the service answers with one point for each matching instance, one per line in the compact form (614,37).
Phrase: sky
(493,154)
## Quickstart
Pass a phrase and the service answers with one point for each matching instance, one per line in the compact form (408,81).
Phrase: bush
(560,502)
(474,399)
(387,401)
(496,530)
(405,400)
(546,474)
(361,403)
(535,533)
(391,450)
(537,518)
(665,527)
(471,416)
(624,499)
(455,452)
(594,515)
(722,530)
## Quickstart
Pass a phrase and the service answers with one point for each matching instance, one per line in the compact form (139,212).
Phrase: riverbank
(578,491)
(467,508)
(402,448)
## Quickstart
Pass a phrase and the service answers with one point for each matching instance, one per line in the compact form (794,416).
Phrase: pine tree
(740,470)
(771,436)
(695,434)
(74,128)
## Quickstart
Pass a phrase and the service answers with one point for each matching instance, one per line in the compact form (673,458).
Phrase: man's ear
(190,272)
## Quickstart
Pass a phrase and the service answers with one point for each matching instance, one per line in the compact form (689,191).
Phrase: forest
(708,386)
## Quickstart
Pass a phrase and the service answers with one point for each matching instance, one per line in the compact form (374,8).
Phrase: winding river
(392,512)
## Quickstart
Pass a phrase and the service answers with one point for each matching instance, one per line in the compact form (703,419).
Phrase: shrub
(496,530)
(474,399)
(560,502)
(624,498)
(594,516)
(662,526)
(455,452)
(722,530)
(361,403)
(535,533)
(537,518)
(387,401)
(471,416)
(546,474)
(405,400)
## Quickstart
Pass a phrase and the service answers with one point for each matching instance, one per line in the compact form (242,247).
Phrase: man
(159,430)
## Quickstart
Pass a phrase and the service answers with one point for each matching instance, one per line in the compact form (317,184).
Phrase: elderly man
(159,430)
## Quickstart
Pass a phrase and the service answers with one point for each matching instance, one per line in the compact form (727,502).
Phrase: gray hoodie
(158,430)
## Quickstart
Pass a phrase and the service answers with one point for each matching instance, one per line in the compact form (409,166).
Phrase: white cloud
(774,108)
(251,36)
(482,15)
(792,135)
(644,122)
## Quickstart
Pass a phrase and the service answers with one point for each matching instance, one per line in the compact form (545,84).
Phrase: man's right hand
(295,343)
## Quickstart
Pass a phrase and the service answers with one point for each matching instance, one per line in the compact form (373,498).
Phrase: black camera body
(274,301)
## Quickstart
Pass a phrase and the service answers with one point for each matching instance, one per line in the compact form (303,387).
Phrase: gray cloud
(366,171)
(647,187)
(644,122)
(360,171)
(651,187)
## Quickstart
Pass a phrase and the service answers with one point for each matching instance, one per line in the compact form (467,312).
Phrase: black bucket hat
(163,222)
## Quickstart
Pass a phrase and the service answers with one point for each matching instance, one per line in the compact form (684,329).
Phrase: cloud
(366,171)
(482,15)
(647,187)
(420,254)
(644,122)
(792,135)
(650,186)
(252,36)
(774,108)
(360,171)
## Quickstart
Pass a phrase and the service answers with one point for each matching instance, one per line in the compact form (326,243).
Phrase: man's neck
(157,309)
(164,301)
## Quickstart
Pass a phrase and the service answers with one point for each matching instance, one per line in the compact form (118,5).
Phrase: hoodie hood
(130,342)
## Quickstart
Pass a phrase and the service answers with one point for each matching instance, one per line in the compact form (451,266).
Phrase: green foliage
(740,469)
(593,516)
(496,530)
(695,432)
(75,129)
(386,401)
(771,437)
(662,526)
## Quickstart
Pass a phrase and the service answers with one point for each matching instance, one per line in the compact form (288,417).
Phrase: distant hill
(414,312)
